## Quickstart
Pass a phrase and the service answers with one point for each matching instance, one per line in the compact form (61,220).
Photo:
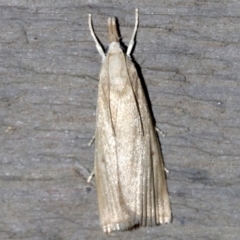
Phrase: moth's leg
(90,177)
(131,44)
(159,131)
(91,141)
(98,45)
(163,134)
(92,173)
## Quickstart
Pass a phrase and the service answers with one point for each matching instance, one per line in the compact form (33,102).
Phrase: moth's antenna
(131,44)
(98,45)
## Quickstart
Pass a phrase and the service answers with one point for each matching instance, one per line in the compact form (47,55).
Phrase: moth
(128,167)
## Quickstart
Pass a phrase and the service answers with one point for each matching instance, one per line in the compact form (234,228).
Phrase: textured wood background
(189,53)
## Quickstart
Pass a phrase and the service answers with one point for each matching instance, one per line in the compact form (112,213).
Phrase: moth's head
(115,47)
(113,35)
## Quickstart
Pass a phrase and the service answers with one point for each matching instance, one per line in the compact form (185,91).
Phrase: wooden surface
(189,53)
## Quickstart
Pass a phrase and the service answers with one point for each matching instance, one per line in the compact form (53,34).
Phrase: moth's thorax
(114,47)
(117,77)
(117,68)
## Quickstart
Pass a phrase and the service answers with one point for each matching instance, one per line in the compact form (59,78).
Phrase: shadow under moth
(128,168)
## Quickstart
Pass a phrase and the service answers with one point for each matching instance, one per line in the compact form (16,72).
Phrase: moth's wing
(155,204)
(155,201)
(113,177)
(128,165)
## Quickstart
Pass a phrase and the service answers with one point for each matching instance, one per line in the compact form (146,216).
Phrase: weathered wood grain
(189,53)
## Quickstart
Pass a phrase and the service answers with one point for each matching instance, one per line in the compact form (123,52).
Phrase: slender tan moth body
(129,170)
